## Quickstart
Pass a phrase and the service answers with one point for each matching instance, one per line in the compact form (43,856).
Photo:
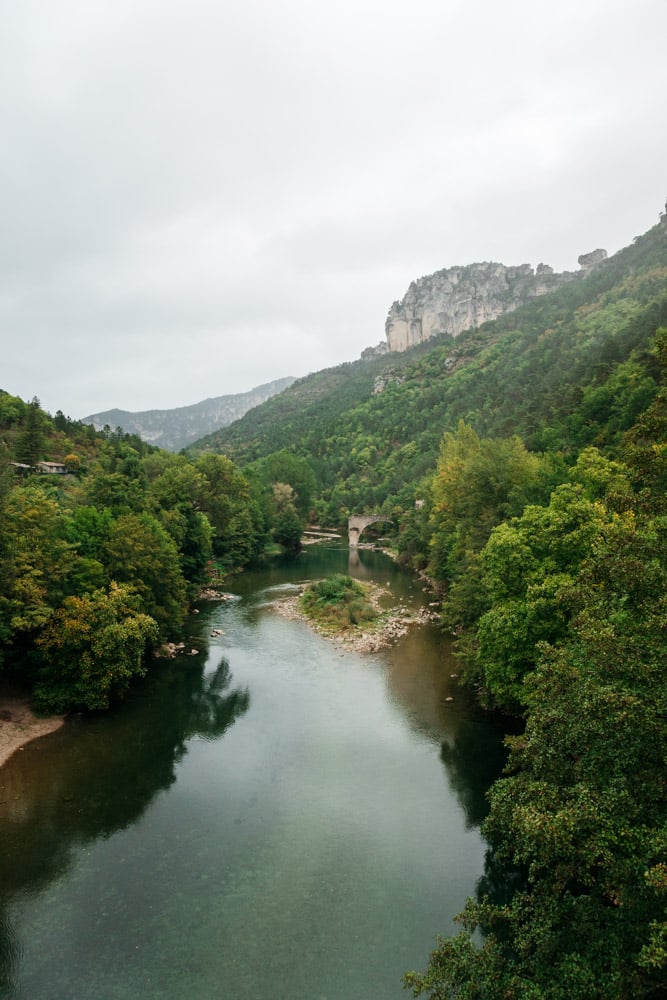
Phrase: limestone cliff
(587,261)
(460,298)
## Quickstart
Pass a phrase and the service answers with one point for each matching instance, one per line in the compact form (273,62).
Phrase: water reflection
(420,683)
(211,714)
(316,850)
(423,680)
(103,780)
(317,561)
(472,763)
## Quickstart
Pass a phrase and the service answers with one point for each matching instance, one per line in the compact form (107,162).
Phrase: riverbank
(390,625)
(19,725)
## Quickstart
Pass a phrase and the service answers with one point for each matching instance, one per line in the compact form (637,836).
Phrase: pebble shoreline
(390,626)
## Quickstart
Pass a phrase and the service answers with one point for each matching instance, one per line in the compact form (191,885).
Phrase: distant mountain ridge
(174,429)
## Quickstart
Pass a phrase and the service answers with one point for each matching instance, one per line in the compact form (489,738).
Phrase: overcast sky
(199,196)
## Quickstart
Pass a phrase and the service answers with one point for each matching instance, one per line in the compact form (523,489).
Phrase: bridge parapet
(357,523)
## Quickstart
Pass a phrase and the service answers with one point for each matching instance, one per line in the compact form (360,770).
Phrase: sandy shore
(19,725)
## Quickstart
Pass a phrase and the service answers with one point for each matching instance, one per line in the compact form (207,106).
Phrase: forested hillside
(105,541)
(525,467)
(566,370)
(561,616)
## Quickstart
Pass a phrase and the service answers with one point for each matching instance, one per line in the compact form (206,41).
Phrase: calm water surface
(271,819)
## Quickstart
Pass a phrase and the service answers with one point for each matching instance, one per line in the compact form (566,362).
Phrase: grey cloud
(197,197)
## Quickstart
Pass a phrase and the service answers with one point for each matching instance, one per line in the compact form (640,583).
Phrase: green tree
(39,558)
(6,561)
(479,482)
(528,569)
(87,530)
(582,812)
(91,649)
(227,502)
(12,410)
(114,491)
(30,445)
(139,552)
(177,494)
(285,467)
(287,525)
(517,592)
(192,534)
(645,445)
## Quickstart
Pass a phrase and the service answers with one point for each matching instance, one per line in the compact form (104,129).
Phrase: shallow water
(272,818)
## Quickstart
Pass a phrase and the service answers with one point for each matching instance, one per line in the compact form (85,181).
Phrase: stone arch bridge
(357,523)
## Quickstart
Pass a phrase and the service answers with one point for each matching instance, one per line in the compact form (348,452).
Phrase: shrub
(337,602)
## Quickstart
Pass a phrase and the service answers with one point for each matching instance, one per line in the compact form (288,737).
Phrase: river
(272,818)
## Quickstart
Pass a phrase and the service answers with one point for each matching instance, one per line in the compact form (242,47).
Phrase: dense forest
(524,466)
(106,541)
(561,615)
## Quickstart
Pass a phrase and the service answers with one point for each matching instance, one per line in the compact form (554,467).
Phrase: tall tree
(478,483)
(140,553)
(227,502)
(39,557)
(287,525)
(30,445)
(7,568)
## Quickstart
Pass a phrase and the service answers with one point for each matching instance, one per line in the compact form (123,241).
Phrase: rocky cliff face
(459,298)
(174,429)
(587,261)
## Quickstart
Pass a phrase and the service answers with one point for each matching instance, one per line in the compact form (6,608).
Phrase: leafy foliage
(140,553)
(30,445)
(478,483)
(99,564)
(583,816)
(287,525)
(91,649)
(528,569)
(338,602)
(580,817)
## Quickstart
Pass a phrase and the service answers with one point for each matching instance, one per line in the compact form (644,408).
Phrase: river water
(271,819)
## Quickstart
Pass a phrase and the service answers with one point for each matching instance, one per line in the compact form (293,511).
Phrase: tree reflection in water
(474,761)
(101,779)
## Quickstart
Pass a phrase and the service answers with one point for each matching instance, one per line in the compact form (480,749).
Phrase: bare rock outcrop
(587,261)
(462,298)
(370,353)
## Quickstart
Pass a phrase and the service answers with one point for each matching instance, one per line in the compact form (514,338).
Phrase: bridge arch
(357,523)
